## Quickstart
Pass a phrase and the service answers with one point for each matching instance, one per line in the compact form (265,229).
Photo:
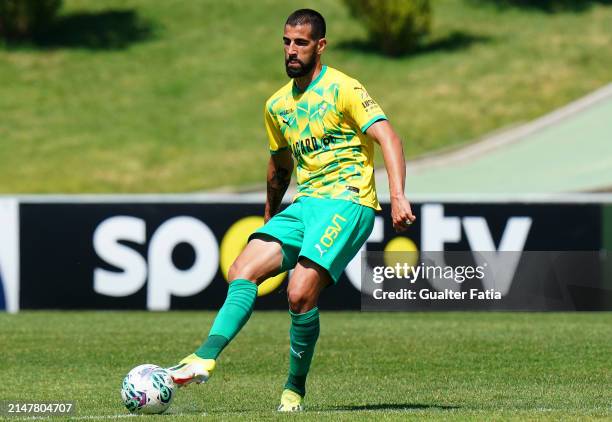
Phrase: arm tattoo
(281,177)
(277,186)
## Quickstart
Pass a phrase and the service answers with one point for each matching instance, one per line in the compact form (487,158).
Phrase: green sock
(232,316)
(303,336)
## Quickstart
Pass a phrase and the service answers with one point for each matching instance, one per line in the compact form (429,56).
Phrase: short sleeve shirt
(324,127)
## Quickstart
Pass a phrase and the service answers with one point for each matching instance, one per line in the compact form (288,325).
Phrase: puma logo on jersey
(286,116)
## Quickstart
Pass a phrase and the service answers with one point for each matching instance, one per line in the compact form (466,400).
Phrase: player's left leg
(303,290)
(334,232)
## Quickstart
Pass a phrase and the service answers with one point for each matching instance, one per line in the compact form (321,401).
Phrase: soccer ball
(147,389)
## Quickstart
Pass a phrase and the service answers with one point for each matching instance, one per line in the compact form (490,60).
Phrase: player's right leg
(261,259)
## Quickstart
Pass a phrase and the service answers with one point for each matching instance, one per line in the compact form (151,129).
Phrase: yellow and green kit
(324,128)
(331,216)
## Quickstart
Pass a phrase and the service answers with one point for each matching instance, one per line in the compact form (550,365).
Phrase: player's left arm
(395,163)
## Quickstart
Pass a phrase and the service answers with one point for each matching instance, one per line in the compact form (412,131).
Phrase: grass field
(393,366)
(142,96)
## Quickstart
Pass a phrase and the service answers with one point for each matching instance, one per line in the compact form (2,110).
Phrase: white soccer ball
(147,389)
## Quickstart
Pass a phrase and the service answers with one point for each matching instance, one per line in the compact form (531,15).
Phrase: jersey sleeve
(275,137)
(359,106)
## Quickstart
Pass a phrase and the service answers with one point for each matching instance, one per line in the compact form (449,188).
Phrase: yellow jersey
(324,127)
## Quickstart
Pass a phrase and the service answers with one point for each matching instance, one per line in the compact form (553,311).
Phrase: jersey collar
(312,83)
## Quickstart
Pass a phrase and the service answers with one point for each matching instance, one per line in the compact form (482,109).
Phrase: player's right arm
(280,165)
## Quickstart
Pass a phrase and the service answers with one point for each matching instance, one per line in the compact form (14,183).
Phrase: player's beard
(304,69)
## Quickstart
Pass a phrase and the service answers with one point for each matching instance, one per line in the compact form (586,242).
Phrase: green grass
(181,109)
(396,366)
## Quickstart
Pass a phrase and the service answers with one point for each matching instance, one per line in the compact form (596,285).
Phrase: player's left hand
(401,214)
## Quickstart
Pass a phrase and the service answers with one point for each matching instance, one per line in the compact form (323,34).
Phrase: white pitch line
(331,411)
(55,415)
(136,416)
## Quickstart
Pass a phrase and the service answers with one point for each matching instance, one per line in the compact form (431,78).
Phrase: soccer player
(327,123)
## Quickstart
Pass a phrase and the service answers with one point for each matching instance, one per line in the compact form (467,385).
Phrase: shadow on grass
(455,41)
(547,6)
(107,30)
(394,406)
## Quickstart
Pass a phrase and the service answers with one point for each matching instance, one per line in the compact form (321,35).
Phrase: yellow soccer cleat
(290,402)
(192,369)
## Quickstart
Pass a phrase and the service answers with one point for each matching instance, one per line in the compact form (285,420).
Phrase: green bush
(394,26)
(21,19)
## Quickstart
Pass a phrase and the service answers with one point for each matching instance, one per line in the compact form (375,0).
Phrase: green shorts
(329,232)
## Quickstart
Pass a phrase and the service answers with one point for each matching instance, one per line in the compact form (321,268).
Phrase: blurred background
(139,96)
(505,111)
